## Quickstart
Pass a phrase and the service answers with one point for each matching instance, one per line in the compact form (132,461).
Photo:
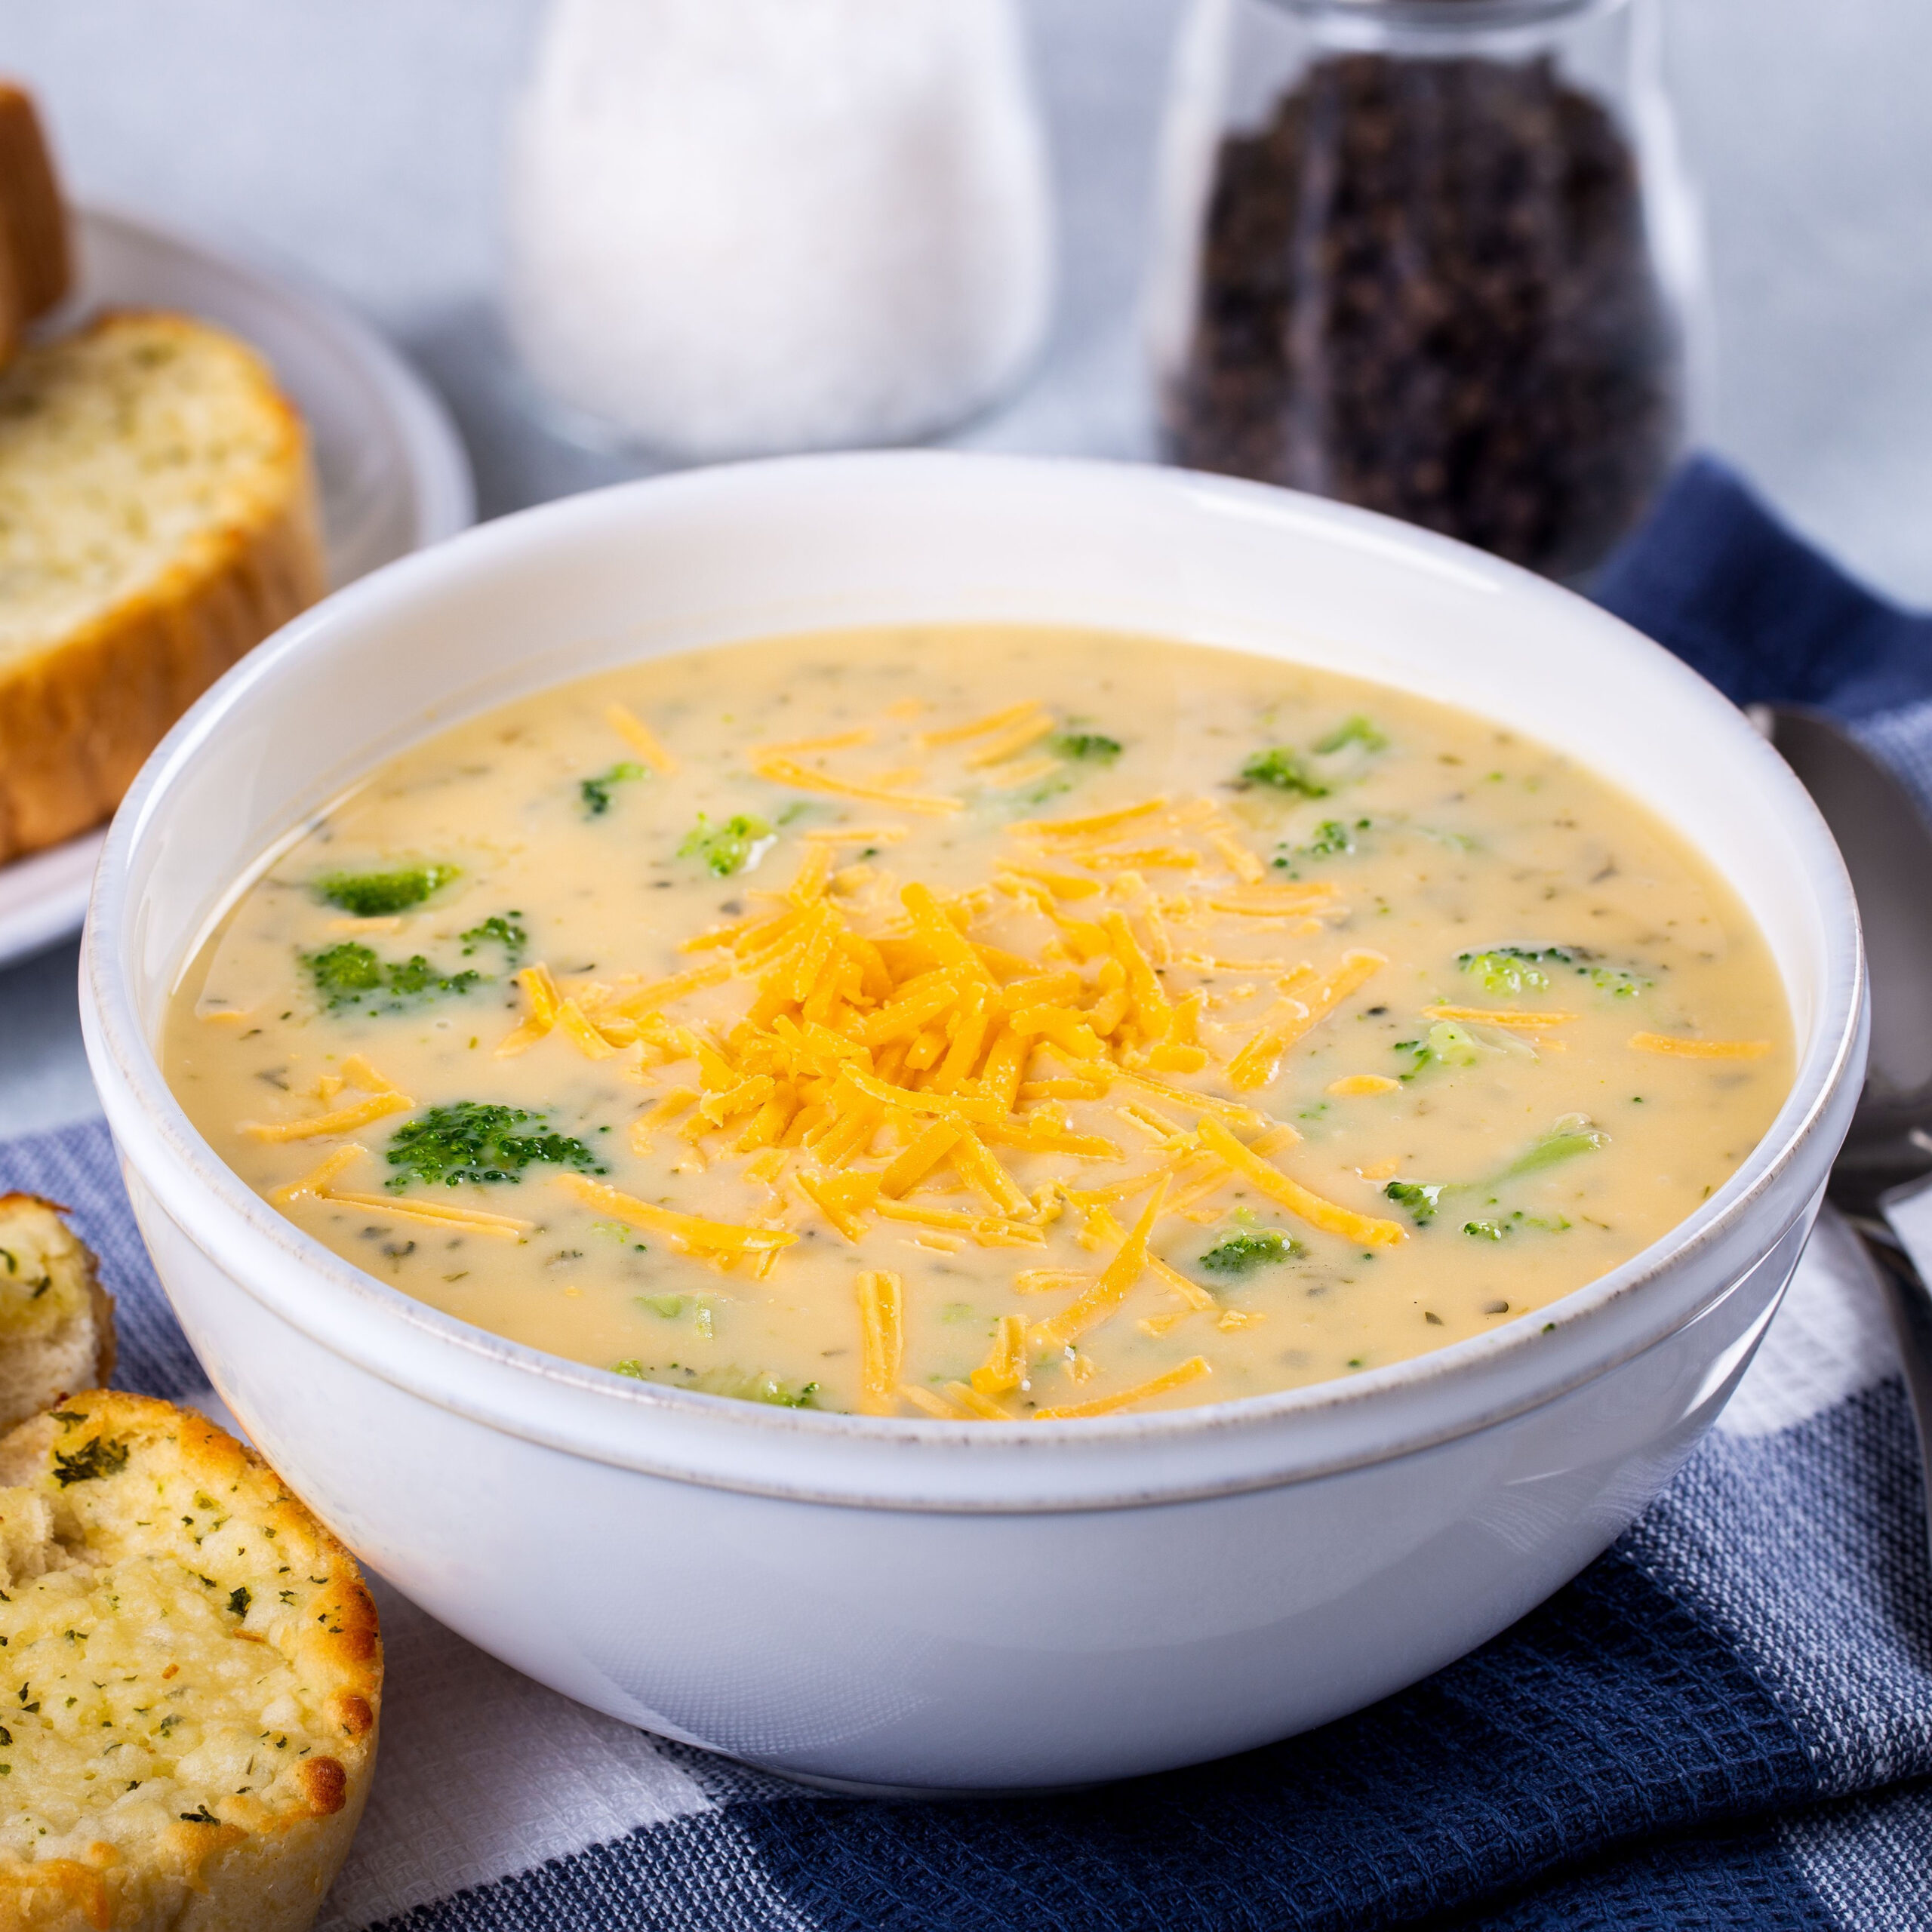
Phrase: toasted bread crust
(36,257)
(39,1372)
(264,1867)
(78,716)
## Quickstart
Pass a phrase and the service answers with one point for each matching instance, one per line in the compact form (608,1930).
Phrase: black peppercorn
(1425,287)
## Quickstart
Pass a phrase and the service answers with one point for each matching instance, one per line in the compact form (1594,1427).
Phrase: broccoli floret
(413,976)
(596,792)
(1571,1136)
(1242,1253)
(1511,969)
(1615,981)
(1055,784)
(376,895)
(1500,1227)
(1421,1198)
(1284,771)
(671,1307)
(1335,837)
(1446,1044)
(1356,730)
(726,848)
(350,974)
(501,929)
(1516,969)
(756,1387)
(736,1382)
(625,1236)
(1093,747)
(343,973)
(478,1140)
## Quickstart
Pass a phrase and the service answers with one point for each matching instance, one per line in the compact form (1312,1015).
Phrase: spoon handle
(1908,1214)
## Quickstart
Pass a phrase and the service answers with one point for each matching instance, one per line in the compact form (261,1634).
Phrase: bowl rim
(151,1127)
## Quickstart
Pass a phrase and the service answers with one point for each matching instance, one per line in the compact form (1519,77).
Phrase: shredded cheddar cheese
(1197,1299)
(379,1097)
(881,1297)
(1004,1368)
(1256,1064)
(641,738)
(853,835)
(1018,736)
(974,1405)
(927,1403)
(1311,1208)
(1026,772)
(1192,1369)
(835,741)
(1105,1297)
(691,1232)
(542,1002)
(437,1213)
(1685,1049)
(658,993)
(1053,831)
(1495,1016)
(789,771)
(314,1186)
(978,727)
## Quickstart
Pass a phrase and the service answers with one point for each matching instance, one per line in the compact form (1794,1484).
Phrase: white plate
(393,473)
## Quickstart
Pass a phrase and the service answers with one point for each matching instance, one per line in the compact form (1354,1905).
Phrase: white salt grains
(746,225)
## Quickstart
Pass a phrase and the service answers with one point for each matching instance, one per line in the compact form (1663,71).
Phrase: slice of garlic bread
(36,257)
(158,518)
(192,1676)
(56,1322)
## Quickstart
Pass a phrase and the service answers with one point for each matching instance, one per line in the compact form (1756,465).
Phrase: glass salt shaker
(1435,257)
(734,227)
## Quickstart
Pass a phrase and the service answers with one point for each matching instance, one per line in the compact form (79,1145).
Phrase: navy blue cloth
(1726,1722)
(1714,575)
(1612,1714)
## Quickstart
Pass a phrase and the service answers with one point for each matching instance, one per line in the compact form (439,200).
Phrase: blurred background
(361,139)
(361,142)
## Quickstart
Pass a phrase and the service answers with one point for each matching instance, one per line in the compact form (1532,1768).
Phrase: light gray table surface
(360,140)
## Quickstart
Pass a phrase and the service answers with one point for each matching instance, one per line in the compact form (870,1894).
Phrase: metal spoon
(1882,1179)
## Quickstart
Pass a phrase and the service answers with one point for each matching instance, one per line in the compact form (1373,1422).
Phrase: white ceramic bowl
(928,1605)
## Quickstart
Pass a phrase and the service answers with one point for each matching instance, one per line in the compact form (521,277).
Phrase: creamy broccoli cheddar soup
(991,1024)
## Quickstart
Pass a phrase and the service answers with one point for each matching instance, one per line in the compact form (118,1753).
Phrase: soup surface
(982,1022)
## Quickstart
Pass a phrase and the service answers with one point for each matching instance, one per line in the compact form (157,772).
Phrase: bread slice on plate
(158,517)
(191,1678)
(36,256)
(56,1322)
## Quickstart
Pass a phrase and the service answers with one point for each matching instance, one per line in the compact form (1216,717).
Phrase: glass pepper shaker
(1435,257)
